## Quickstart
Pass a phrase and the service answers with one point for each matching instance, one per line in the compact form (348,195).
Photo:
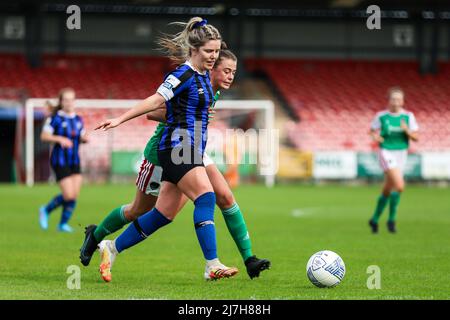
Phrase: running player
(392,129)
(65,129)
(149,180)
(187,94)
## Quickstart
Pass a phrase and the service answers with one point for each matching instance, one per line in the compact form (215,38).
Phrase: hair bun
(199,24)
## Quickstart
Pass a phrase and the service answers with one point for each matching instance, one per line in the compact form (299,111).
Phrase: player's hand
(108,124)
(378,138)
(85,138)
(65,142)
(211,114)
(403,125)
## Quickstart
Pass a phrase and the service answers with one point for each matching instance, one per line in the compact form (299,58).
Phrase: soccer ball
(325,269)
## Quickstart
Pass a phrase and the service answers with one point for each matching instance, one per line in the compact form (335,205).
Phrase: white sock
(113,247)
(212,262)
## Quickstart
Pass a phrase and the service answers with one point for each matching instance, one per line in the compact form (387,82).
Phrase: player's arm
(152,103)
(375,134)
(160,115)
(375,128)
(410,131)
(48,136)
(84,137)
(157,115)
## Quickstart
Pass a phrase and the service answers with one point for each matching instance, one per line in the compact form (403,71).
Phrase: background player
(64,128)
(392,129)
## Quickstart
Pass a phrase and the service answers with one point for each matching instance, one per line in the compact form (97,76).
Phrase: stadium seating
(92,77)
(336,100)
(99,77)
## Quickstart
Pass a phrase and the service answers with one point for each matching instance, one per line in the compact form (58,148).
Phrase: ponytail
(195,34)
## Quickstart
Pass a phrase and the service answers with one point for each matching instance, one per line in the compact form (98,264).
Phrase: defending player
(392,129)
(149,180)
(187,94)
(65,129)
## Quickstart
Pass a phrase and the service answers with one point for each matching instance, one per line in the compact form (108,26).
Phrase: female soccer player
(392,129)
(149,180)
(187,94)
(65,129)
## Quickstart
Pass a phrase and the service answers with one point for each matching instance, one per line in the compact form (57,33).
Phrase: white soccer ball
(325,269)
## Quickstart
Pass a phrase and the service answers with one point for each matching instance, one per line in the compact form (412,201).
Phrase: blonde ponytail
(196,32)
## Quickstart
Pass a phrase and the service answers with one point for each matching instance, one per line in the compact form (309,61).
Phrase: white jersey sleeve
(167,88)
(376,123)
(413,126)
(48,128)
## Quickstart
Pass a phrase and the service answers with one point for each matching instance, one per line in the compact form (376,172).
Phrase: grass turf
(287,224)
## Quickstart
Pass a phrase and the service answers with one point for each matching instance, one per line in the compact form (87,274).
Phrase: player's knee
(69,197)
(207,199)
(204,207)
(386,191)
(170,215)
(225,199)
(130,213)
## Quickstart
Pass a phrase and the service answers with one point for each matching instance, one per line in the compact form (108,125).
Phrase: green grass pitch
(287,224)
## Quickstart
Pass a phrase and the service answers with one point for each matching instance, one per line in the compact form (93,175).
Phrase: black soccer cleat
(255,266)
(89,245)
(391,227)
(373,226)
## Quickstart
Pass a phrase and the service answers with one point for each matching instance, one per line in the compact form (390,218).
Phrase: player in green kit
(392,129)
(149,180)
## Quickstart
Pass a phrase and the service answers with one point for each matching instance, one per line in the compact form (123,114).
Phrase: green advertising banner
(369,166)
(128,162)
(125,162)
(246,168)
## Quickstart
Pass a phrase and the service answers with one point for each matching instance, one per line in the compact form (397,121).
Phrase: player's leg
(386,162)
(382,201)
(195,184)
(55,202)
(234,219)
(68,187)
(398,184)
(70,201)
(141,228)
(113,222)
(147,189)
(124,214)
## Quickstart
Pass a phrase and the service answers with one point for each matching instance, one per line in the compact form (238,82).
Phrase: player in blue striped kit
(64,128)
(186,94)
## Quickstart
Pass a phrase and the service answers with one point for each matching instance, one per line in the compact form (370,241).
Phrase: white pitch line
(301,212)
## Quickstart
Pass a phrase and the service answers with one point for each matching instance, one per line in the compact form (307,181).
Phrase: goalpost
(109,152)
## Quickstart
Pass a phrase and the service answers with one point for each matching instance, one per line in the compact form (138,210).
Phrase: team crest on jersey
(201,91)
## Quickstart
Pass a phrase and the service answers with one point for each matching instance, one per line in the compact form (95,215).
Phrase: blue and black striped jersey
(69,126)
(188,96)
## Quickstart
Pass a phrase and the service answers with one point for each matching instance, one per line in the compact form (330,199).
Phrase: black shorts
(173,172)
(64,172)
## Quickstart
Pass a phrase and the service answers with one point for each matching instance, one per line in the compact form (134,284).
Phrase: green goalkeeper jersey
(151,149)
(389,125)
